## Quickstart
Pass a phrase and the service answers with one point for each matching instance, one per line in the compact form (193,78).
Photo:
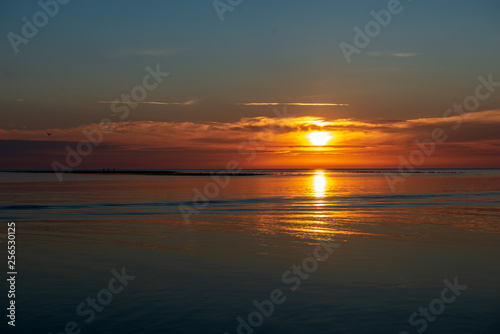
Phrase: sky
(251,86)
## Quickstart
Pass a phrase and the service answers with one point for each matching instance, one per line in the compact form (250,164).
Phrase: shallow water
(396,249)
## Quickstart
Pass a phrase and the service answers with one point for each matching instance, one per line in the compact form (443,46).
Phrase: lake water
(395,250)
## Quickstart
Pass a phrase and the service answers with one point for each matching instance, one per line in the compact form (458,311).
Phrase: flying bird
(49,133)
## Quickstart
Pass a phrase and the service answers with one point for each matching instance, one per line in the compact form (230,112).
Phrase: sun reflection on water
(319,184)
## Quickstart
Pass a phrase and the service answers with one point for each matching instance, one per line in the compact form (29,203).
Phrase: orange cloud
(292,104)
(282,142)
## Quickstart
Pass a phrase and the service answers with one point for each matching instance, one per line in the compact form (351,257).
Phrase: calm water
(396,249)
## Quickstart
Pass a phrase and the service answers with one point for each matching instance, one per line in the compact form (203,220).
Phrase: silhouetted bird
(49,133)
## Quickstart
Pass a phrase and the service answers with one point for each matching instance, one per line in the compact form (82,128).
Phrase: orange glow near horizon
(260,142)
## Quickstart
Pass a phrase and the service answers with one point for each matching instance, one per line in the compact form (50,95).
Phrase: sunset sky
(252,87)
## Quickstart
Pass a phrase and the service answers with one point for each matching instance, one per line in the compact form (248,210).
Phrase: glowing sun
(319,138)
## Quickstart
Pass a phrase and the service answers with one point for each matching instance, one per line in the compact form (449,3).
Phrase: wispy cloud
(145,52)
(292,104)
(403,54)
(187,103)
(392,54)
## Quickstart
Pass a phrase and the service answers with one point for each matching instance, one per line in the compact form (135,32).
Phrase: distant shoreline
(250,172)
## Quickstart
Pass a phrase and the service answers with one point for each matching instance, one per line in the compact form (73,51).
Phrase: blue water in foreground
(201,249)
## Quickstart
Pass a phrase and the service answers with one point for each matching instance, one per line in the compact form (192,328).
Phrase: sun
(319,138)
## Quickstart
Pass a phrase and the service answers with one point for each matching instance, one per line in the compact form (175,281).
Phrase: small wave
(287,202)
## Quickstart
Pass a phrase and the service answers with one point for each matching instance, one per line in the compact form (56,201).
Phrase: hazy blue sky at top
(264,51)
